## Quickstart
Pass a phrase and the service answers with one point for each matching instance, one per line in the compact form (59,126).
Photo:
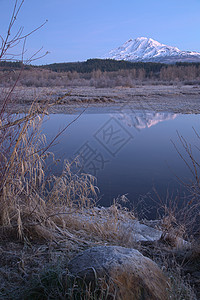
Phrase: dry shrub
(189,212)
(30,200)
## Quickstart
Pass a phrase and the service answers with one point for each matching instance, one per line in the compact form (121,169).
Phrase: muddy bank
(176,99)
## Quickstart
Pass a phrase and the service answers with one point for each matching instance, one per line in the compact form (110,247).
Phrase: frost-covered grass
(39,271)
(177,98)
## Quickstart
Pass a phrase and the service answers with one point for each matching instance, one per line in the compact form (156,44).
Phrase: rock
(124,227)
(142,232)
(130,274)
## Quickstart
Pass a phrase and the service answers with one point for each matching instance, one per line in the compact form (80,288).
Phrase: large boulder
(132,275)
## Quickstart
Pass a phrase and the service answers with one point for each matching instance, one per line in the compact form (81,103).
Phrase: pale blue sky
(82,29)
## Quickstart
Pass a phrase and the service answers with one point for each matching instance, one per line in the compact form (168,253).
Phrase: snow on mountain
(147,49)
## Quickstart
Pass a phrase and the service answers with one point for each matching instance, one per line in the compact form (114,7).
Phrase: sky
(81,29)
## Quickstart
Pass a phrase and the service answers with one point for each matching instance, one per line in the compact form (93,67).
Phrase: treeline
(9,65)
(100,73)
(104,65)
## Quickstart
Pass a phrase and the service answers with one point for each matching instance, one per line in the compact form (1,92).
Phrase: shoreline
(176,99)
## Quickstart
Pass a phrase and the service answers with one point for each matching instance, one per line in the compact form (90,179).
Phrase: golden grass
(31,203)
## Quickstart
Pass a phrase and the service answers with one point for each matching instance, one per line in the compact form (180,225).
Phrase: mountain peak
(147,49)
(142,38)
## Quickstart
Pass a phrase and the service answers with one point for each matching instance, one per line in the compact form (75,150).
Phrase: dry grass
(35,205)
(32,204)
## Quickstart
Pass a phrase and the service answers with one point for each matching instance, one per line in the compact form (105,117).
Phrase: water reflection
(141,120)
(129,153)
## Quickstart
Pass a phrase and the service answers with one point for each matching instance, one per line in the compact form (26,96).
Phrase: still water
(129,153)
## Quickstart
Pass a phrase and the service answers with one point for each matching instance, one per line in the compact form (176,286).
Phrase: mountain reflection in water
(141,120)
(128,153)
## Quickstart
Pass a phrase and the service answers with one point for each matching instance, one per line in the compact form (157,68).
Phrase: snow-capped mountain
(148,50)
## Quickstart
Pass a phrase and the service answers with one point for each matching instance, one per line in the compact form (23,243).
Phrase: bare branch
(61,131)
(11,42)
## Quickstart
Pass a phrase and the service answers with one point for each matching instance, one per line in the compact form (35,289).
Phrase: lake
(130,152)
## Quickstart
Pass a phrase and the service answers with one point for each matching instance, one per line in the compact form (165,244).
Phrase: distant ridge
(144,49)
